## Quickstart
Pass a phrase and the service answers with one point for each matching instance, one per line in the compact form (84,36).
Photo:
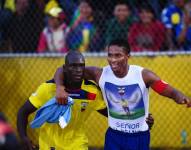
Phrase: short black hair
(122,43)
(122,2)
(73,53)
(147,7)
(89,2)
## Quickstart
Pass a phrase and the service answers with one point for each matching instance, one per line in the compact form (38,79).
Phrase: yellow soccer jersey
(72,137)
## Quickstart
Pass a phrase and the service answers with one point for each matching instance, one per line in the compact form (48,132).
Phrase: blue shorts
(117,140)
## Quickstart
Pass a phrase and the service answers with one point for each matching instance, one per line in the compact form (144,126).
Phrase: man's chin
(117,73)
(77,80)
(115,70)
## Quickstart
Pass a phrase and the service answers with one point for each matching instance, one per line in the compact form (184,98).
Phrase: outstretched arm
(163,88)
(22,122)
(91,73)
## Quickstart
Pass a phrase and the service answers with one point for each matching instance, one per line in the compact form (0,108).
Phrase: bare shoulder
(93,70)
(93,73)
(149,77)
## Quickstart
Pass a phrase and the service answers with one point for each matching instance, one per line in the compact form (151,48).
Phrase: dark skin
(22,121)
(118,60)
(74,72)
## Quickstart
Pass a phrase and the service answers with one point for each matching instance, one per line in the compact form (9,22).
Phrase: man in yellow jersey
(87,99)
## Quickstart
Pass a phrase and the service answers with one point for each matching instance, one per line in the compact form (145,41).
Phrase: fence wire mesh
(20,76)
(56,26)
(88,25)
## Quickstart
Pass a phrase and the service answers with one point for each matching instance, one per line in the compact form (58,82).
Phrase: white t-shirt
(127,99)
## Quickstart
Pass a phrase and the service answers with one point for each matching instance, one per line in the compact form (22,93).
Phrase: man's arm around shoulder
(91,73)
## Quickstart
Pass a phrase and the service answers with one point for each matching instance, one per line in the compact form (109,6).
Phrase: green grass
(135,115)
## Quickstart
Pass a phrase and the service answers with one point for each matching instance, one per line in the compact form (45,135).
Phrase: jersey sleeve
(43,93)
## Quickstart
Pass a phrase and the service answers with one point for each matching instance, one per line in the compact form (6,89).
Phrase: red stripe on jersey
(91,96)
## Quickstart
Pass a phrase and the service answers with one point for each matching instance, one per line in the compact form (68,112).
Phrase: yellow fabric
(10,4)
(175,18)
(73,136)
(51,4)
(55,11)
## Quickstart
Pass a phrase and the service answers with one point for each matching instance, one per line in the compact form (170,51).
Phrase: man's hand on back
(150,121)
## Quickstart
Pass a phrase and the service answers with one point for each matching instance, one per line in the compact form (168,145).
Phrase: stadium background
(23,69)
(21,75)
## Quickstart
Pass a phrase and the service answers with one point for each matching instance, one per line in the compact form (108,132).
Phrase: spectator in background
(118,26)
(148,34)
(157,5)
(26,25)
(83,35)
(8,140)
(68,6)
(52,38)
(184,38)
(172,17)
(6,13)
(102,16)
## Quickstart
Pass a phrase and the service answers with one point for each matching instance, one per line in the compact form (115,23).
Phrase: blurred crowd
(8,139)
(38,26)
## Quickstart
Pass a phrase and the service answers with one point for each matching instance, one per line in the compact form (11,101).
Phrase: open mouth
(114,67)
(77,77)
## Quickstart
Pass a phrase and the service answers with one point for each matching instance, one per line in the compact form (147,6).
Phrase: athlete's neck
(123,72)
(72,86)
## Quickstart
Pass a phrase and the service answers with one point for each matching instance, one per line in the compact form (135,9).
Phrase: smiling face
(121,12)
(53,22)
(146,16)
(179,3)
(74,67)
(85,10)
(118,60)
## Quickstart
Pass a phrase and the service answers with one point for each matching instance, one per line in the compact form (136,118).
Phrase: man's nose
(113,59)
(79,69)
